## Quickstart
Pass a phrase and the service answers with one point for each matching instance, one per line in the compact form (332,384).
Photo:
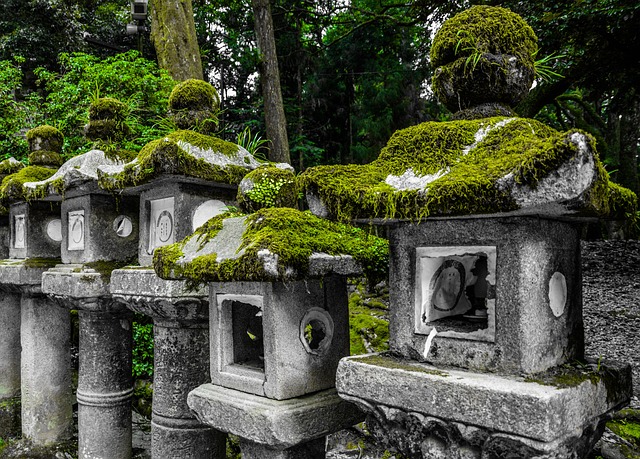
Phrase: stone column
(314,449)
(47,415)
(181,362)
(9,364)
(105,384)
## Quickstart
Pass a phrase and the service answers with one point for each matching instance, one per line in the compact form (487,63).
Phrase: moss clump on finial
(9,166)
(484,57)
(268,186)
(45,144)
(107,121)
(194,104)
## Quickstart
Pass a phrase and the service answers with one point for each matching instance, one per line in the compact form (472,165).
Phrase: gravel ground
(611,302)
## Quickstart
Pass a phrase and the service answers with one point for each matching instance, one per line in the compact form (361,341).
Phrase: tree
(275,120)
(174,36)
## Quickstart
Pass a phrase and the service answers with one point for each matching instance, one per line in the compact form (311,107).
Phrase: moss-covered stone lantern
(484,217)
(279,323)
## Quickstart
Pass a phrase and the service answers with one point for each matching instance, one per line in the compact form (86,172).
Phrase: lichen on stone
(460,168)
(272,244)
(185,153)
(268,186)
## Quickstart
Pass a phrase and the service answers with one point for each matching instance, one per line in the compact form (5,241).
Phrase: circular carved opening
(123,226)
(54,230)
(316,331)
(557,293)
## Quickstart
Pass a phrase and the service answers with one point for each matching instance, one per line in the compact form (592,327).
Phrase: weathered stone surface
(314,449)
(99,227)
(36,230)
(20,275)
(181,354)
(76,283)
(455,410)
(47,397)
(9,347)
(527,336)
(278,362)
(278,424)
(105,385)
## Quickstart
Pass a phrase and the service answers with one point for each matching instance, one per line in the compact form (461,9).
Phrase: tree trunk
(173,33)
(275,120)
(629,127)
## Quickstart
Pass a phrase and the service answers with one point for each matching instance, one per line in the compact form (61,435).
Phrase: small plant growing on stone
(254,144)
(544,69)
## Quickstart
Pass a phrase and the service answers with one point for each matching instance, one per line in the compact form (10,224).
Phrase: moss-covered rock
(194,104)
(45,137)
(272,244)
(484,55)
(184,153)
(108,108)
(45,158)
(10,166)
(12,187)
(268,186)
(465,167)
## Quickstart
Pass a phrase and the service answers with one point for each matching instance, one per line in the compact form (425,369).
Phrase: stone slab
(506,404)
(21,273)
(279,424)
(74,281)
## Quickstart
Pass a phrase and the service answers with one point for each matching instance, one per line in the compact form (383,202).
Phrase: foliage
(137,82)
(368,321)
(268,186)
(253,143)
(142,347)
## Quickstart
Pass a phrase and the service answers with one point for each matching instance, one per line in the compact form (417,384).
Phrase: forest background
(351,72)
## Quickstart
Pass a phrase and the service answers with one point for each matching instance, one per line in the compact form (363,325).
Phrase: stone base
(10,417)
(314,449)
(276,424)
(423,411)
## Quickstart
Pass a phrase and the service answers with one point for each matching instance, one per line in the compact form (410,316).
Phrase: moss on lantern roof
(268,186)
(10,166)
(108,108)
(186,153)
(623,203)
(483,29)
(272,244)
(464,167)
(12,187)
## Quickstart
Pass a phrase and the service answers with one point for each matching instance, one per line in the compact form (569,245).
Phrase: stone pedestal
(105,383)
(282,429)
(47,399)
(9,364)
(181,350)
(460,414)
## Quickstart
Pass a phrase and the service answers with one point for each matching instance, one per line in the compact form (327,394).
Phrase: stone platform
(462,414)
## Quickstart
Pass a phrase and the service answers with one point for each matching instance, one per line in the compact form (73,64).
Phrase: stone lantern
(34,247)
(99,233)
(182,180)
(484,217)
(279,324)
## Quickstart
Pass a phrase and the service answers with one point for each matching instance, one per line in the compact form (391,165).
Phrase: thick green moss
(107,108)
(465,169)
(12,185)
(10,166)
(291,235)
(368,325)
(45,137)
(166,156)
(623,202)
(46,158)
(268,186)
(194,94)
(484,29)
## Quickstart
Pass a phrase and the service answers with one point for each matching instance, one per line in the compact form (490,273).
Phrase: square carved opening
(455,292)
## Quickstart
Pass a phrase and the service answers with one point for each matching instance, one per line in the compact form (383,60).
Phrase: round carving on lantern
(123,226)
(316,331)
(54,230)
(205,211)
(557,293)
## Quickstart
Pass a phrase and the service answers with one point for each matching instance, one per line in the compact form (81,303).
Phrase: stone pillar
(181,361)
(47,415)
(9,364)
(105,385)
